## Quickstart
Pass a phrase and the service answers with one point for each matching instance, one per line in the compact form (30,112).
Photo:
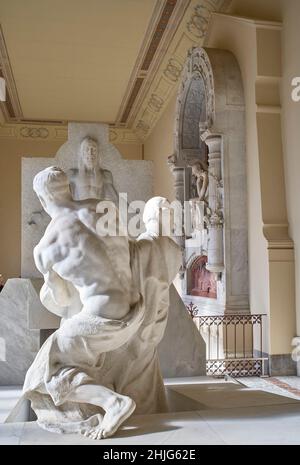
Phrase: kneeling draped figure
(112,295)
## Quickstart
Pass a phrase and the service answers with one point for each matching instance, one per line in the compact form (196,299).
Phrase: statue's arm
(204,185)
(55,295)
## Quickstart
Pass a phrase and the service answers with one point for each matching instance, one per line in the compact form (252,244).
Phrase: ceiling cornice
(165,20)
(175,26)
(256,23)
(164,74)
(52,132)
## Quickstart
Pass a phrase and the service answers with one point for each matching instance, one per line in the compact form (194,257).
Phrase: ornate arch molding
(210,128)
(197,69)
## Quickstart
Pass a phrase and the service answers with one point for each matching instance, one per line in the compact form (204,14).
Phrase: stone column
(179,188)
(178,173)
(215,217)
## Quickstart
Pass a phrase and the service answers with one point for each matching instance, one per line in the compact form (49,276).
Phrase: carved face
(196,169)
(89,153)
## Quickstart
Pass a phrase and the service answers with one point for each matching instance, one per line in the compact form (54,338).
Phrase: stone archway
(210,130)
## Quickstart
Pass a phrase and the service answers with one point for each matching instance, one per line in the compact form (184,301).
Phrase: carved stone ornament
(210,119)
(197,66)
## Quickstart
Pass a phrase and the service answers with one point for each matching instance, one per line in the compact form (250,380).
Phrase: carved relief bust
(89,180)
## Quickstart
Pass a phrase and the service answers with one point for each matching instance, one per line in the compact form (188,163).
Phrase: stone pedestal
(21,315)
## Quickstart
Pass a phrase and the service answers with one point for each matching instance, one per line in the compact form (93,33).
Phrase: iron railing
(234,343)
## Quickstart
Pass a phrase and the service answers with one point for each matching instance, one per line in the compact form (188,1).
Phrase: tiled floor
(213,412)
(288,386)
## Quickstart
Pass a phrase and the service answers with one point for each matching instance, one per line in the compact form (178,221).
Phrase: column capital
(212,140)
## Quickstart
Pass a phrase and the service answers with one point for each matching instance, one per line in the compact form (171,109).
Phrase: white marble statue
(76,262)
(113,297)
(197,208)
(157,211)
(89,180)
(201,176)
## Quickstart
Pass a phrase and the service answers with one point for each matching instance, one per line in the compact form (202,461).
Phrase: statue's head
(158,210)
(197,168)
(51,184)
(89,154)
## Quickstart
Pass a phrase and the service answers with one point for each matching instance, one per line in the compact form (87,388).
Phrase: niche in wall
(201,282)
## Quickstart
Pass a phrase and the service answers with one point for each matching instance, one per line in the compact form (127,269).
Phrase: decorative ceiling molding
(175,26)
(33,132)
(165,20)
(123,136)
(38,132)
(133,94)
(162,80)
(11,108)
(257,23)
